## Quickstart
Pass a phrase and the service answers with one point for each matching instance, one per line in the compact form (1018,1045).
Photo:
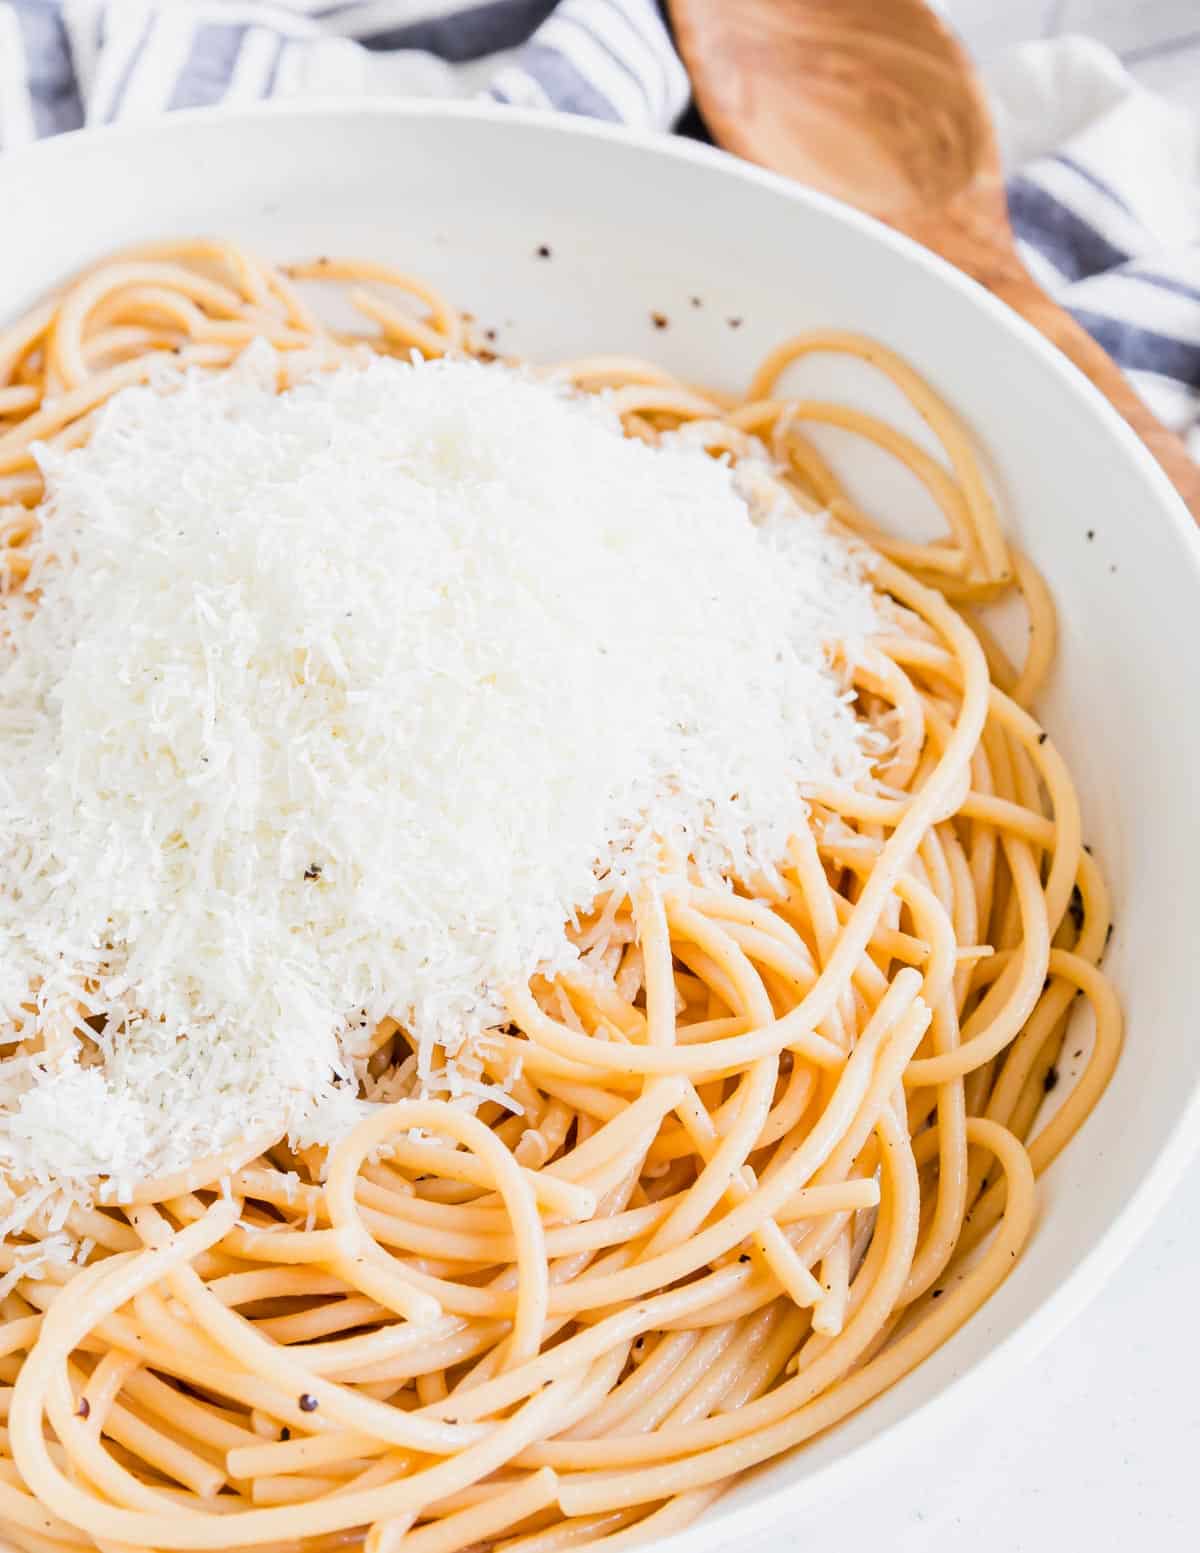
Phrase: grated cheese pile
(339,704)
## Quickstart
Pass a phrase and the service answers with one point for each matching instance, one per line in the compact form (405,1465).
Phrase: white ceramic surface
(465,196)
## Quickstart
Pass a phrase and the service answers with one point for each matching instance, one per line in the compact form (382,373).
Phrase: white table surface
(1096,1446)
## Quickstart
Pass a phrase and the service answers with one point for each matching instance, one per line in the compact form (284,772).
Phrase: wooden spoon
(876,102)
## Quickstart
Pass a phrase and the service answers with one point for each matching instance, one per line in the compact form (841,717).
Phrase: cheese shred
(337,704)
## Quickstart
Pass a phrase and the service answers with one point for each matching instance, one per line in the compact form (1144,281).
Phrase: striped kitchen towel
(67,63)
(1105,202)
(1105,183)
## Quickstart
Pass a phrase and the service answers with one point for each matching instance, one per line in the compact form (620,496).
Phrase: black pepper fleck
(744,1257)
(659,320)
(696,301)
(308,1403)
(1087,849)
(734,323)
(543,250)
(489,334)
(285,1433)
(84,1410)
(1091,534)
(1042,737)
(937,1294)
(1109,934)
(1075,908)
(1113,567)
(313,871)
(1050,1082)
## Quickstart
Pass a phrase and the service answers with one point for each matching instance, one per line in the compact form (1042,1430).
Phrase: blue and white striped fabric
(1104,193)
(67,63)
(1105,203)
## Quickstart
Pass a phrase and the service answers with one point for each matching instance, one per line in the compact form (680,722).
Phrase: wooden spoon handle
(976,238)
(1077,344)
(875,101)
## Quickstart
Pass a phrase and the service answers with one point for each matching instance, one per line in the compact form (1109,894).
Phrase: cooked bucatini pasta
(768,1143)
